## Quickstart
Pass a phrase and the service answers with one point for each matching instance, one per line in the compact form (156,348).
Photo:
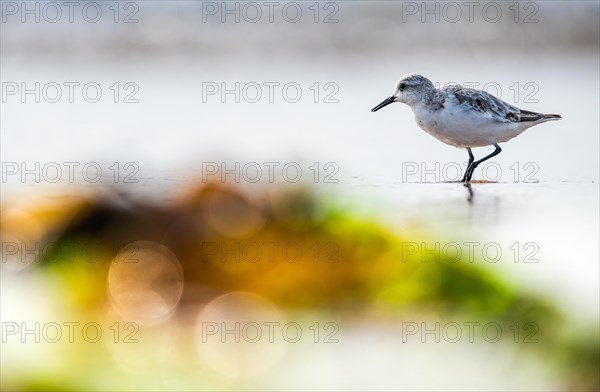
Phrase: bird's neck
(430,99)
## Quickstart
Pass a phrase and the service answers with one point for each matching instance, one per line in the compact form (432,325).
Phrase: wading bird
(463,117)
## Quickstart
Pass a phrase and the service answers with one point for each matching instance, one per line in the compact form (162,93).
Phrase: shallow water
(545,182)
(535,220)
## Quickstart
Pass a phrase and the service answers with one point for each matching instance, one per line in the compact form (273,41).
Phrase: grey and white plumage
(463,117)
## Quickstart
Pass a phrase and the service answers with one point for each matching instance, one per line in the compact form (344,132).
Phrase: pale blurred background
(540,56)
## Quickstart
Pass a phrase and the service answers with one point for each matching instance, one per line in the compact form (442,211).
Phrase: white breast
(458,127)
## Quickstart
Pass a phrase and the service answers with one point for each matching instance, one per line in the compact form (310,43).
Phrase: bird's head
(409,89)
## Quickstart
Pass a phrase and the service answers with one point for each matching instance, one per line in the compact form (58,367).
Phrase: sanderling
(463,117)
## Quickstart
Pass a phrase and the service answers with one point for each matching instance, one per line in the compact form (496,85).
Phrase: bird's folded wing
(485,103)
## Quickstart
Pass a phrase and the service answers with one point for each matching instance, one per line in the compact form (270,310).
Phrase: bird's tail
(552,117)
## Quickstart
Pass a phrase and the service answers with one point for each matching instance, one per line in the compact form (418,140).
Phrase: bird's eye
(402,86)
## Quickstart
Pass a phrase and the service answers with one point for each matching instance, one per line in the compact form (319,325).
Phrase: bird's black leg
(474,165)
(471,159)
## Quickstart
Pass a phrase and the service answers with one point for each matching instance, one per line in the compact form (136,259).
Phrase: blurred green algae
(313,257)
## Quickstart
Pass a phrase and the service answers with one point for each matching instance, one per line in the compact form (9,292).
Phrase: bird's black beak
(386,102)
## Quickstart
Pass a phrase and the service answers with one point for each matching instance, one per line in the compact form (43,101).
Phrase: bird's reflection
(471,194)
